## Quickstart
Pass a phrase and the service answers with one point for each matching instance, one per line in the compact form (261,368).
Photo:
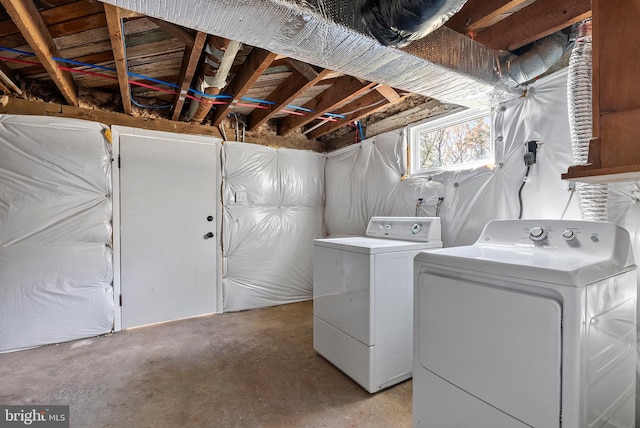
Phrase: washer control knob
(416,228)
(388,226)
(569,235)
(380,226)
(538,234)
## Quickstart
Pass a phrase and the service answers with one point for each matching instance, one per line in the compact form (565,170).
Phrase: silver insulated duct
(332,34)
(592,198)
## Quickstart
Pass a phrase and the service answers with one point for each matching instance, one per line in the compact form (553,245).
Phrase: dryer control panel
(422,229)
(592,239)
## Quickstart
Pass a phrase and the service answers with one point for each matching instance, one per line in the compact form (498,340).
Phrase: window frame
(444,121)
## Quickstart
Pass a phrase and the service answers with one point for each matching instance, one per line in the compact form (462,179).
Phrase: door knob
(208,235)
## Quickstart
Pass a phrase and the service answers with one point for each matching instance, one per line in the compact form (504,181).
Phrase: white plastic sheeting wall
(624,209)
(55,230)
(365,179)
(267,239)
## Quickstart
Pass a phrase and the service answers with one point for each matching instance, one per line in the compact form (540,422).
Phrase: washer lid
(362,244)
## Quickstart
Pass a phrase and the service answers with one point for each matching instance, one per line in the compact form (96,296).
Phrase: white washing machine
(531,326)
(363,298)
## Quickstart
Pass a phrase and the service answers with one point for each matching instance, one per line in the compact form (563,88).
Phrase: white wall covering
(268,240)
(361,179)
(472,197)
(624,209)
(55,212)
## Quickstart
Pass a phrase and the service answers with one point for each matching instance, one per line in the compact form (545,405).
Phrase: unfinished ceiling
(98,55)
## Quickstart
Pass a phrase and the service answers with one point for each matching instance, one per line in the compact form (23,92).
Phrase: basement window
(454,141)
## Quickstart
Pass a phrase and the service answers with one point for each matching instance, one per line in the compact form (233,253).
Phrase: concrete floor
(247,369)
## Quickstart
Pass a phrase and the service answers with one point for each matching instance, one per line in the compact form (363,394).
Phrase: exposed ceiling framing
(143,66)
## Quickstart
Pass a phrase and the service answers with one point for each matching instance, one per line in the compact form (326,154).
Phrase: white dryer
(531,326)
(363,298)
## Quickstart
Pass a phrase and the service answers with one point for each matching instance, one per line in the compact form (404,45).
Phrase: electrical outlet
(241,197)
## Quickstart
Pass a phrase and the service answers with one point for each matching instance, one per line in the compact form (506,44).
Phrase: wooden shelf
(614,153)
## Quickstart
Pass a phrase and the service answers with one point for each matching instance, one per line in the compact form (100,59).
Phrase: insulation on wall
(624,209)
(273,202)
(470,197)
(55,231)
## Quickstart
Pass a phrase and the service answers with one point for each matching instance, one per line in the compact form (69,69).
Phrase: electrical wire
(361,130)
(418,205)
(566,207)
(524,181)
(439,206)
(328,117)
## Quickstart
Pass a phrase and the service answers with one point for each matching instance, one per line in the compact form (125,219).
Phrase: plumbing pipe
(218,82)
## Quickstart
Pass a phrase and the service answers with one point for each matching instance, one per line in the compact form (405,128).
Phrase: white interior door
(168,225)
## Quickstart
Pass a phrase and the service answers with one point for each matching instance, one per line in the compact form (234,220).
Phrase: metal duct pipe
(537,60)
(445,65)
(219,81)
(592,198)
(397,22)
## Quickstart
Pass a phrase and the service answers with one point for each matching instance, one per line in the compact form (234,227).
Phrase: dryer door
(502,347)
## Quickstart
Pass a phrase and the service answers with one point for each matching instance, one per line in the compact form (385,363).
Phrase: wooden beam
(356,110)
(28,20)
(180,33)
(388,92)
(294,86)
(478,14)
(9,105)
(9,84)
(344,89)
(534,22)
(114,23)
(613,150)
(410,115)
(303,68)
(255,64)
(188,69)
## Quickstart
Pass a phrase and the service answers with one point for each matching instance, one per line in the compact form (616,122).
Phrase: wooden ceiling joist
(57,15)
(303,68)
(477,14)
(255,64)
(189,65)
(344,89)
(388,92)
(114,22)
(356,110)
(180,33)
(8,81)
(294,86)
(28,20)
(534,22)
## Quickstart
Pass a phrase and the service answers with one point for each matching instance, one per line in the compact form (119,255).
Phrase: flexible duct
(444,65)
(397,22)
(592,198)
(537,60)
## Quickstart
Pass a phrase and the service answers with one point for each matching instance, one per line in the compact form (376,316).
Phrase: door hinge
(120,300)
(118,161)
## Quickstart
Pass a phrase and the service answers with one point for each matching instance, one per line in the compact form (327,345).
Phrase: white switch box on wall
(241,197)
